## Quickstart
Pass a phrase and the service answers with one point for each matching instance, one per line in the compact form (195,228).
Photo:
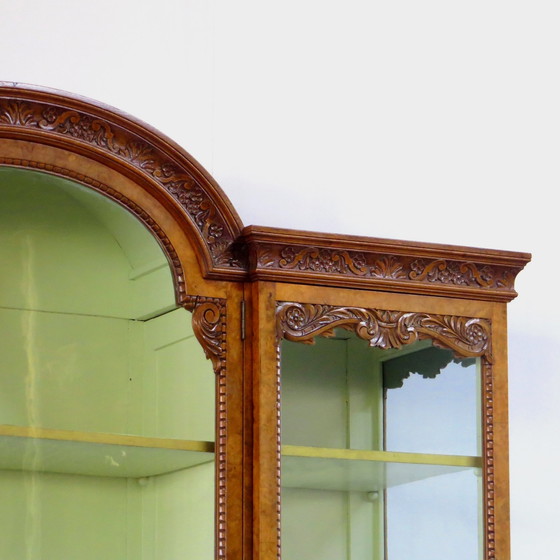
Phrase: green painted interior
(71,250)
(92,342)
(331,397)
(351,479)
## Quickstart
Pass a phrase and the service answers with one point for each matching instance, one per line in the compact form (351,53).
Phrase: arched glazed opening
(107,400)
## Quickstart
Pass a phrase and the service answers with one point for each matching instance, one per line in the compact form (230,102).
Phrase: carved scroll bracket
(468,337)
(209,326)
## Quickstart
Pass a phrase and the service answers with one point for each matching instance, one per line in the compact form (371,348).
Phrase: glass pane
(373,441)
(436,518)
(106,398)
(432,403)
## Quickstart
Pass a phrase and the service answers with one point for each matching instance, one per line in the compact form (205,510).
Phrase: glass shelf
(95,454)
(364,471)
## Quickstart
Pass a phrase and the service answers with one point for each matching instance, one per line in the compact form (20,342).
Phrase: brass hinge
(242,320)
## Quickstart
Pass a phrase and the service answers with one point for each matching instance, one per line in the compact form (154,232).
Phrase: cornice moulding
(382,264)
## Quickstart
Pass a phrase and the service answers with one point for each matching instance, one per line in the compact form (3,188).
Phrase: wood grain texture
(266,423)
(498,454)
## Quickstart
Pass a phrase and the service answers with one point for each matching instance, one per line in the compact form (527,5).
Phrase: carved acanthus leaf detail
(209,326)
(82,127)
(266,259)
(17,113)
(466,337)
(388,267)
(385,329)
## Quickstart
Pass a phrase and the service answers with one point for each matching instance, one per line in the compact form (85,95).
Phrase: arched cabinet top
(114,139)
(107,139)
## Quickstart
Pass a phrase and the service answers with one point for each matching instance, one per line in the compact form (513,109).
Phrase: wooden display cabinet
(357,408)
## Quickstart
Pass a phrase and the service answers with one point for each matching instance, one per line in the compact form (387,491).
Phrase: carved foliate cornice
(84,127)
(467,337)
(431,269)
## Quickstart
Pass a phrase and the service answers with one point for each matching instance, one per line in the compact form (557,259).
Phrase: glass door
(381,455)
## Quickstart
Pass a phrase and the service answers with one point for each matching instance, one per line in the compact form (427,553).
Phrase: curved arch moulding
(128,161)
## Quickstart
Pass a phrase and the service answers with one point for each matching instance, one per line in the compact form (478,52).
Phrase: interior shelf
(364,471)
(95,454)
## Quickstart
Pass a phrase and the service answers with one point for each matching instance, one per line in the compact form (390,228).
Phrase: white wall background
(433,121)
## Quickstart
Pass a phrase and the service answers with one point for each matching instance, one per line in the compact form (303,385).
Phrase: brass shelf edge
(105,438)
(382,456)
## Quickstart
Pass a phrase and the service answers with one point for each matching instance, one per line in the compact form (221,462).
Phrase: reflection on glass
(432,403)
(435,519)
(380,451)
(106,399)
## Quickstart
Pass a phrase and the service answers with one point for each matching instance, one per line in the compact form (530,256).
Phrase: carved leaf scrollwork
(385,329)
(464,274)
(83,127)
(323,260)
(209,324)
(385,266)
